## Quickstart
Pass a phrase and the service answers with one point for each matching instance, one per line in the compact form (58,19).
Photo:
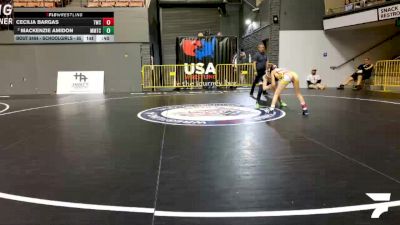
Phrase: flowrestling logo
(6,11)
(221,114)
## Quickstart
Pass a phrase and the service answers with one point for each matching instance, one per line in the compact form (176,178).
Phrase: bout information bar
(63,27)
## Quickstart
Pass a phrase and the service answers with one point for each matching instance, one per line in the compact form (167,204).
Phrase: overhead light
(275,19)
(254,24)
(248,22)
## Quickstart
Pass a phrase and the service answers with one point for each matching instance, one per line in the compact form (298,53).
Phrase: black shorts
(364,76)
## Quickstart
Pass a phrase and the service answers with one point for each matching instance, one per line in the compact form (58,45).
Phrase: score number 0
(108,26)
(108,21)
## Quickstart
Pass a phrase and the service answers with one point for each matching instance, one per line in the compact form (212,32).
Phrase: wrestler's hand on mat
(270,110)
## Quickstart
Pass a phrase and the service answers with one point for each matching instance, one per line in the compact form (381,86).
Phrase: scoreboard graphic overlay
(63,27)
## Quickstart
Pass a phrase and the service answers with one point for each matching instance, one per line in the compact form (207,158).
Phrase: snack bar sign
(389,12)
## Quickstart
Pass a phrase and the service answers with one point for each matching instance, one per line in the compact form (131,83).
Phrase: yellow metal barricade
(387,74)
(168,76)
(174,76)
(235,75)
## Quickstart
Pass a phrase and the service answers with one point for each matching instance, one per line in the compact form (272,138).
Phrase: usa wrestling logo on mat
(220,114)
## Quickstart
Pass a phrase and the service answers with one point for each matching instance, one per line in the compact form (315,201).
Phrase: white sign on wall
(80,82)
(389,12)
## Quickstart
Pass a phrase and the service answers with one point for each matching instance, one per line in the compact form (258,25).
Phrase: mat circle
(215,114)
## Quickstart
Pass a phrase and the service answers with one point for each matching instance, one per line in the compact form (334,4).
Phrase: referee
(261,61)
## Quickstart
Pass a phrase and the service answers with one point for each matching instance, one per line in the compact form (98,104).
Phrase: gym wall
(32,69)
(302,15)
(303,50)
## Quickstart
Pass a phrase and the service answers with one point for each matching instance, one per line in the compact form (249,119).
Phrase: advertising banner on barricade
(200,55)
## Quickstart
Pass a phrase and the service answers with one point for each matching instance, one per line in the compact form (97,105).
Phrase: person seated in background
(364,72)
(314,81)
(348,5)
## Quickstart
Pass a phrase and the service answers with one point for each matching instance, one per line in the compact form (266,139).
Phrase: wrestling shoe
(357,88)
(341,87)
(257,106)
(283,104)
(305,109)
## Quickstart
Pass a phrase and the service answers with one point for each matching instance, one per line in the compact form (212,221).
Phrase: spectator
(314,81)
(241,58)
(364,72)
(348,6)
